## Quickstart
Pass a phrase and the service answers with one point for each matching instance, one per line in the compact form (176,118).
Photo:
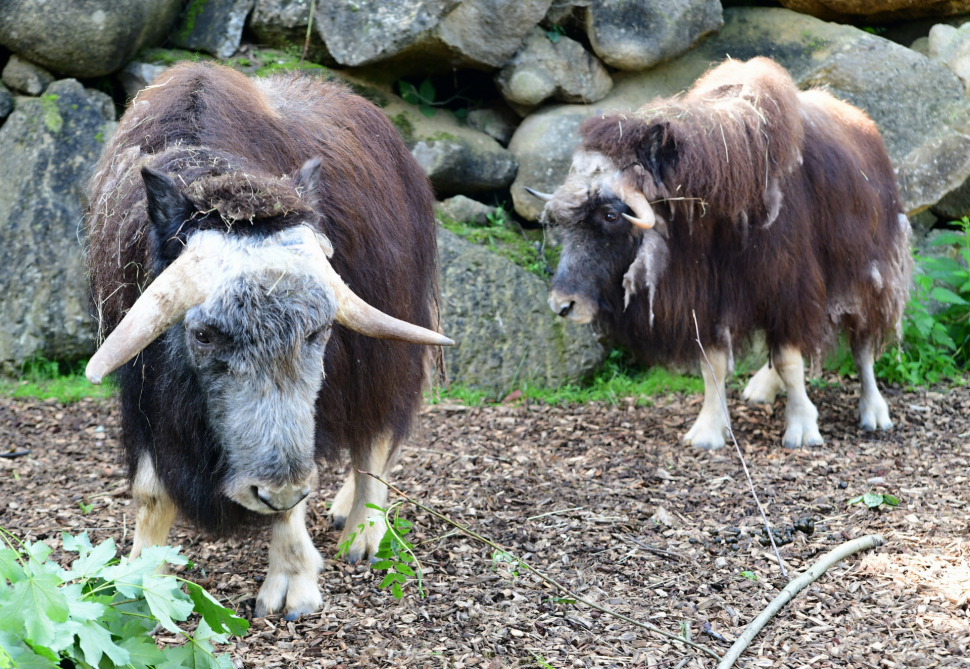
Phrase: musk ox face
(601,219)
(256,346)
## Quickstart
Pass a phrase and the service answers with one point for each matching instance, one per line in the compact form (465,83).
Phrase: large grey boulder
(562,70)
(877,11)
(283,23)
(637,34)
(497,120)
(505,334)
(457,159)
(85,38)
(48,148)
(951,47)
(465,210)
(919,106)
(427,34)
(213,26)
(6,102)
(25,77)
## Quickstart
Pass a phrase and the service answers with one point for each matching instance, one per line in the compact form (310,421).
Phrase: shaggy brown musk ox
(757,206)
(248,242)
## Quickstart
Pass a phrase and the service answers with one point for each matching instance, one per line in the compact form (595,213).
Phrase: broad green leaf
(198,655)
(218,617)
(553,36)
(872,499)
(750,575)
(166,601)
(33,606)
(382,564)
(427,91)
(946,296)
(396,591)
(96,641)
(375,507)
(159,554)
(142,651)
(427,111)
(890,500)
(80,609)
(854,500)
(404,569)
(28,659)
(389,577)
(10,568)
(205,633)
(949,237)
(63,638)
(90,559)
(408,92)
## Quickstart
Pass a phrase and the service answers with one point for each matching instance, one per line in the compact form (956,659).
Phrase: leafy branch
(395,554)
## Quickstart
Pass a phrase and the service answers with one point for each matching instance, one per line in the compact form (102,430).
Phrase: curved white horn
(545,197)
(184,284)
(357,315)
(637,201)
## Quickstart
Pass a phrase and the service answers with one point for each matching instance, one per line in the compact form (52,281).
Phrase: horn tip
(446,342)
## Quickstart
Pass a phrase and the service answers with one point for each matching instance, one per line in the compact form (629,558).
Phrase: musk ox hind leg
(349,510)
(873,410)
(712,423)
(294,563)
(154,509)
(764,386)
(801,416)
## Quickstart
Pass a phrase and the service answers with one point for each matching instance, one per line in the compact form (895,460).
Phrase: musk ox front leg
(349,510)
(154,509)
(711,425)
(801,416)
(294,564)
(873,410)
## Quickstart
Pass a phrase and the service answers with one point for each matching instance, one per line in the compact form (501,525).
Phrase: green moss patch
(526,248)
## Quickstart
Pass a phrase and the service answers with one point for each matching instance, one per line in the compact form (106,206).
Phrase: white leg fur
(294,564)
(873,410)
(344,501)
(711,425)
(155,510)
(365,491)
(764,386)
(801,416)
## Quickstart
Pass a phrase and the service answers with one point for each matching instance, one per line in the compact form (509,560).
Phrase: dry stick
(309,27)
(793,588)
(543,577)
(737,448)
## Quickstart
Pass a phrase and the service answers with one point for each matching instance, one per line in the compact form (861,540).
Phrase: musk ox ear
(307,180)
(168,210)
(658,152)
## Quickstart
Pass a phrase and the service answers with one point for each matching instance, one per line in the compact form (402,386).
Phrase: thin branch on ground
(309,28)
(543,577)
(793,588)
(744,465)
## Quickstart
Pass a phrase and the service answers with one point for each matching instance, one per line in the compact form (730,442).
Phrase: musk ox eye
(610,217)
(202,337)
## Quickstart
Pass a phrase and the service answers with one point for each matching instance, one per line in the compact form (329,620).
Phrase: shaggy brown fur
(232,144)
(777,210)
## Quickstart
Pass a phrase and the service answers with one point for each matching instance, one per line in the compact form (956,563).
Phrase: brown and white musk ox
(757,206)
(255,247)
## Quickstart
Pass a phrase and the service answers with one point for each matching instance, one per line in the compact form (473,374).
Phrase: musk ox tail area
(791,198)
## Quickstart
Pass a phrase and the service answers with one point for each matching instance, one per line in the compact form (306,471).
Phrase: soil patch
(604,499)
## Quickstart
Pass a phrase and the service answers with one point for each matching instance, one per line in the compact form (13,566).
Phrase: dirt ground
(604,499)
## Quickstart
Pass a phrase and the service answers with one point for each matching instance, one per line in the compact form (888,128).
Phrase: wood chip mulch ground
(605,500)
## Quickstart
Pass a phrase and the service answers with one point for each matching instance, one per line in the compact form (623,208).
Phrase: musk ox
(254,247)
(757,206)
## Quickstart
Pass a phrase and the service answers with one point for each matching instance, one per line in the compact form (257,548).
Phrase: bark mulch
(605,500)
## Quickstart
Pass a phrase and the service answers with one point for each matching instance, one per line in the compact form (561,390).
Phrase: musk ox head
(249,317)
(603,216)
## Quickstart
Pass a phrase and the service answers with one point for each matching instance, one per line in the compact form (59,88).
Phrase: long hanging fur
(779,211)
(232,142)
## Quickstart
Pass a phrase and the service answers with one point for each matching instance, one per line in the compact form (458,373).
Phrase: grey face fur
(257,346)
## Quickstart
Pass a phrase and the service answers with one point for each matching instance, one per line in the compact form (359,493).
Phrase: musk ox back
(756,206)
(255,249)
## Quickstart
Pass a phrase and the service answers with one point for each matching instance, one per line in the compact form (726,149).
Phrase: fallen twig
(737,448)
(309,28)
(14,454)
(547,579)
(658,551)
(793,588)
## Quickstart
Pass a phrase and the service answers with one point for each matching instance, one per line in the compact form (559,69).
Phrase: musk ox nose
(281,499)
(561,305)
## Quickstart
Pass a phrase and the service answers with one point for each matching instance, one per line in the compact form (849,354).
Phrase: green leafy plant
(42,379)
(85,508)
(554,34)
(422,97)
(875,499)
(750,575)
(101,611)
(395,554)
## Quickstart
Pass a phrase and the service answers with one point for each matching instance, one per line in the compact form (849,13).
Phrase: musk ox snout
(576,308)
(269,495)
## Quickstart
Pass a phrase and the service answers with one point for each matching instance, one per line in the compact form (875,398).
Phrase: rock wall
(488,96)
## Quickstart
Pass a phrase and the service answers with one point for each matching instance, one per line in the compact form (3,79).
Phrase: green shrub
(101,611)
(42,379)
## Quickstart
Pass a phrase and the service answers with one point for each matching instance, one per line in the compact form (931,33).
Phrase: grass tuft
(45,379)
